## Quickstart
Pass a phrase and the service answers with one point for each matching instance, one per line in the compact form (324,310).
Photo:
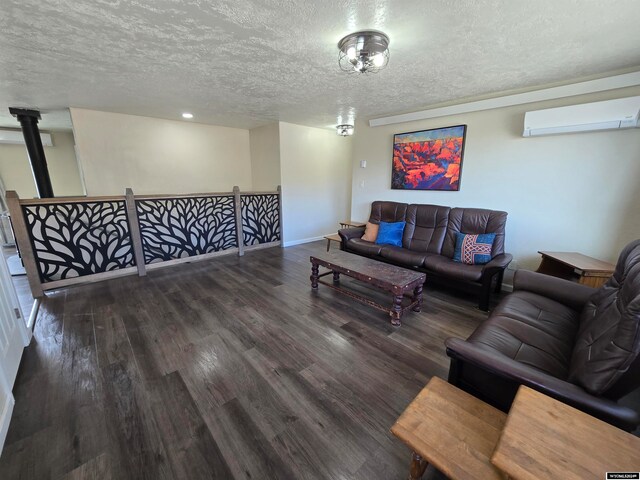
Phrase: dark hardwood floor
(229,369)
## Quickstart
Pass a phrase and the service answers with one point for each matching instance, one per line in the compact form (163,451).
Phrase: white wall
(15,169)
(153,155)
(316,181)
(575,192)
(265,157)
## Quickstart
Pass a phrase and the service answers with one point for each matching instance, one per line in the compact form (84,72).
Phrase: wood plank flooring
(228,369)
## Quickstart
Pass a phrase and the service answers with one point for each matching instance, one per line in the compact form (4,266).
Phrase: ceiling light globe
(366,51)
(378,60)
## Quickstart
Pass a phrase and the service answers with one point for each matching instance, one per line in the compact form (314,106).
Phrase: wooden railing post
(280,216)
(23,242)
(238,213)
(134,230)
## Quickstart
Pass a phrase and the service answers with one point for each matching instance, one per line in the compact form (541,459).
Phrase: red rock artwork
(428,159)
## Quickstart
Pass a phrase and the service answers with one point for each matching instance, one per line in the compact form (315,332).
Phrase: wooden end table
(352,223)
(576,266)
(334,237)
(453,431)
(545,438)
(400,282)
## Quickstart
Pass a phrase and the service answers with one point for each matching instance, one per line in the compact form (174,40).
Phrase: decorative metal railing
(260,219)
(64,241)
(78,239)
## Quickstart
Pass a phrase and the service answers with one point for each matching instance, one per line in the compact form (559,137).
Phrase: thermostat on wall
(363,164)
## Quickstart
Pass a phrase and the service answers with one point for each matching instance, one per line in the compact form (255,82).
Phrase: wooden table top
(384,273)
(452,430)
(334,236)
(353,223)
(580,261)
(545,438)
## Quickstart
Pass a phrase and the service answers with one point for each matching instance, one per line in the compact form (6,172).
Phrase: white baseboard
(5,418)
(305,240)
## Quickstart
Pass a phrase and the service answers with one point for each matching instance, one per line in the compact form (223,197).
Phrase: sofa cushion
(387,212)
(390,233)
(362,246)
(371,232)
(607,349)
(449,268)
(473,249)
(426,228)
(403,256)
(475,221)
(533,330)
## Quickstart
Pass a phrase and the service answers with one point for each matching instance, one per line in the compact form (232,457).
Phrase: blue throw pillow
(473,249)
(390,233)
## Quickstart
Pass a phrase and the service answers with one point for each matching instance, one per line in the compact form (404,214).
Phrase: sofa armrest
(568,293)
(503,366)
(347,234)
(499,262)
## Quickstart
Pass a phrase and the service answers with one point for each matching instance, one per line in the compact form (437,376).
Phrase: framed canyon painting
(428,159)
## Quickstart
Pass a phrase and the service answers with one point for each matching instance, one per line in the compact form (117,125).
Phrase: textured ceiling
(245,63)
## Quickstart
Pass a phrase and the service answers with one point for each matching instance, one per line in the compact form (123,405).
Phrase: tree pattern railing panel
(184,227)
(77,239)
(260,219)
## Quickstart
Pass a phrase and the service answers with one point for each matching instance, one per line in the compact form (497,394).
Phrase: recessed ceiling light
(187,115)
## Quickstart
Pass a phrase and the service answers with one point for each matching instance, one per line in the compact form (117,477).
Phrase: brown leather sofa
(429,238)
(577,344)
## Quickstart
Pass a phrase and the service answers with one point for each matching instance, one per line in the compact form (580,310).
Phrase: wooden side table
(576,266)
(334,237)
(452,430)
(351,223)
(545,438)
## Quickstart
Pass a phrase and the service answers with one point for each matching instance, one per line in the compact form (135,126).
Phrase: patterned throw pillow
(473,249)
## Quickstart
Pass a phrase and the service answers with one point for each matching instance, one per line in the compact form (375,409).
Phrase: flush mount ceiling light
(187,115)
(344,130)
(364,52)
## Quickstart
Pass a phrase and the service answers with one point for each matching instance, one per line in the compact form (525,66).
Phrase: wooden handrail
(121,198)
(60,200)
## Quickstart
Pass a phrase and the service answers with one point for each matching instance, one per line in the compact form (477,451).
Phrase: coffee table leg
(417,296)
(336,277)
(396,310)
(418,466)
(314,275)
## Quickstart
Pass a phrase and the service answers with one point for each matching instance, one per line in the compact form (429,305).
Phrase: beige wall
(573,192)
(265,157)
(316,181)
(152,155)
(15,170)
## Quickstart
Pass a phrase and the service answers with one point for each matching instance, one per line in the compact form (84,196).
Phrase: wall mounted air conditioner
(13,136)
(588,117)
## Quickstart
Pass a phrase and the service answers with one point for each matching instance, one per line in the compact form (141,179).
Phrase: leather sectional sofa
(428,242)
(575,343)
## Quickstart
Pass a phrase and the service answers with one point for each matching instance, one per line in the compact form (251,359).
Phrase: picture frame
(428,159)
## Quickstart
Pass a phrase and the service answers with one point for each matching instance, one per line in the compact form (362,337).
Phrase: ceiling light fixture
(187,115)
(364,52)
(344,130)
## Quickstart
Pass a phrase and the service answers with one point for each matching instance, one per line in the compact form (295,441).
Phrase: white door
(14,336)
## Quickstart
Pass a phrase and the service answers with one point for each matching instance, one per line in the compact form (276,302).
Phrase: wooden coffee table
(400,282)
